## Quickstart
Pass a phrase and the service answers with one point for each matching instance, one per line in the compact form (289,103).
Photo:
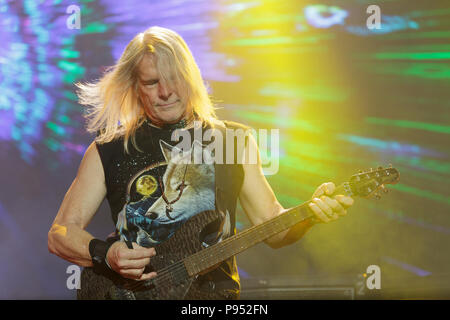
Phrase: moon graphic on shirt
(146,185)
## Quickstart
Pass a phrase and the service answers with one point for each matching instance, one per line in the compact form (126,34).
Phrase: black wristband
(98,250)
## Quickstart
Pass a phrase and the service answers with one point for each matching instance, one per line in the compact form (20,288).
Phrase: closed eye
(150,82)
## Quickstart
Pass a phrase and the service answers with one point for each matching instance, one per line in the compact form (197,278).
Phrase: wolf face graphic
(187,189)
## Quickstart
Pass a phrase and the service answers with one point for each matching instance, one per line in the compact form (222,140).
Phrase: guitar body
(172,281)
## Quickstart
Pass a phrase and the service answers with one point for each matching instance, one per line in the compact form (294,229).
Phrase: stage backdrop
(343,96)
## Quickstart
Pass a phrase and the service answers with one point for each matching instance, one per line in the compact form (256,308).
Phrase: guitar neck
(231,246)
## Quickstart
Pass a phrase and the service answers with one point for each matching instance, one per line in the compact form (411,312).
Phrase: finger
(326,208)
(318,212)
(319,191)
(147,276)
(134,264)
(334,204)
(344,200)
(138,253)
(131,273)
(323,206)
(326,188)
(140,248)
(329,188)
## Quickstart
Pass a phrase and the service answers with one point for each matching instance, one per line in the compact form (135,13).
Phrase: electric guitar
(176,269)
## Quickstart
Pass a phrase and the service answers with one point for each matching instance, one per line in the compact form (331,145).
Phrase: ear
(197,152)
(166,150)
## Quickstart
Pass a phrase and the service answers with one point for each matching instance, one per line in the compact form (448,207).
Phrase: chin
(170,116)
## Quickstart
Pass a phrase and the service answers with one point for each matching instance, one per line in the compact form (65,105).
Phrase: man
(154,89)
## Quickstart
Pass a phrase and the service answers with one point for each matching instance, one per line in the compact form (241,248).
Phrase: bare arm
(67,237)
(260,204)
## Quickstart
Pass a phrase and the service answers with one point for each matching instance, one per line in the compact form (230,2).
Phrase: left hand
(328,208)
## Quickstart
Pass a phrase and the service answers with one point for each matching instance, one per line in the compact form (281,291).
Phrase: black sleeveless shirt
(136,181)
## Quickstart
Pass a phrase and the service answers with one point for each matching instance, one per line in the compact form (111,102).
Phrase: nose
(164,91)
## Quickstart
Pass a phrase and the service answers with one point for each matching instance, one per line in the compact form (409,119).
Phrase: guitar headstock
(365,184)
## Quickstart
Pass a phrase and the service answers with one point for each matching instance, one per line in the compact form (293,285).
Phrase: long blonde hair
(115,108)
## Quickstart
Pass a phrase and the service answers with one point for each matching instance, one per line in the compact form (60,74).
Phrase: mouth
(167,105)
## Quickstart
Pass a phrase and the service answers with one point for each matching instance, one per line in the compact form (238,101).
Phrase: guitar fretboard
(219,252)
(231,246)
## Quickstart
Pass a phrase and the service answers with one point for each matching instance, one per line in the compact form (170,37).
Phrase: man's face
(161,100)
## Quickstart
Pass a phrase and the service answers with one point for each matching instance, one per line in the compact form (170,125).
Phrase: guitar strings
(178,269)
(268,226)
(163,275)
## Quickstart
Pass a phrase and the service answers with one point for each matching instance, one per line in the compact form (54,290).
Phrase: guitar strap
(228,177)
(228,182)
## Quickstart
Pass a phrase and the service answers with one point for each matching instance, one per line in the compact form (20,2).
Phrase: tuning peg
(371,170)
(384,189)
(375,195)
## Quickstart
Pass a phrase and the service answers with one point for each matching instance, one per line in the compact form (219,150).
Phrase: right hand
(130,263)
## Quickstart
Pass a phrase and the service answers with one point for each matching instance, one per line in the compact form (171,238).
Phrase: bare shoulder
(91,161)
(86,192)
(236,125)
(90,173)
(229,124)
